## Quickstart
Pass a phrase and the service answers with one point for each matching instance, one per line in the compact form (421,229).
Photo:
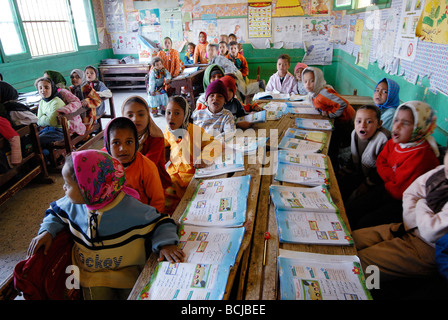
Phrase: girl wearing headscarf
(150,137)
(170,58)
(386,98)
(409,154)
(411,248)
(57,78)
(298,69)
(110,227)
(17,113)
(211,73)
(48,111)
(200,52)
(141,172)
(87,95)
(92,78)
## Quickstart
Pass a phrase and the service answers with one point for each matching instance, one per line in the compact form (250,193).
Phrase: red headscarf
(205,36)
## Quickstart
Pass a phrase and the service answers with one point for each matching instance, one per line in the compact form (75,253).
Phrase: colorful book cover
(218,202)
(210,245)
(317,124)
(301,175)
(254,117)
(315,136)
(313,160)
(299,145)
(304,199)
(312,276)
(186,281)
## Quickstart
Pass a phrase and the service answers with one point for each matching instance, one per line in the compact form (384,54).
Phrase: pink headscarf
(100,178)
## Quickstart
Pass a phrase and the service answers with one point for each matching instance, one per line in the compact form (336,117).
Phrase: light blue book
(300,145)
(218,202)
(254,117)
(316,124)
(312,276)
(314,160)
(210,245)
(186,281)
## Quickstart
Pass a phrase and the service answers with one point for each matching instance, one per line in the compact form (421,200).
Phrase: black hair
(136,99)
(68,161)
(121,123)
(284,57)
(212,45)
(233,43)
(181,102)
(373,108)
(191,44)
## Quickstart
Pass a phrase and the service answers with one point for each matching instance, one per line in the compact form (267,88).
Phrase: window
(360,5)
(46,27)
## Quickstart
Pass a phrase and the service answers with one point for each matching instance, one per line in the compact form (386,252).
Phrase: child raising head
(121,141)
(386,98)
(107,221)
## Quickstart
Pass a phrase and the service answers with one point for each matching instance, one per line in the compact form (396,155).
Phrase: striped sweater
(110,244)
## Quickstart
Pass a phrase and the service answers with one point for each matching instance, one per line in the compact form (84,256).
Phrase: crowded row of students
(396,166)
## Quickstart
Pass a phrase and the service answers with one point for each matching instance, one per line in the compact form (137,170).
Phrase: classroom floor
(20,216)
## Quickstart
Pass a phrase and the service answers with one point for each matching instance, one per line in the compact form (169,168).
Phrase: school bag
(43,277)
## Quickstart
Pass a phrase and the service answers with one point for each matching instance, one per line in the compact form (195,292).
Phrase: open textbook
(313,160)
(315,136)
(210,245)
(186,281)
(233,162)
(271,95)
(312,276)
(275,110)
(300,145)
(317,124)
(254,117)
(218,202)
(307,176)
(246,144)
(302,107)
(302,199)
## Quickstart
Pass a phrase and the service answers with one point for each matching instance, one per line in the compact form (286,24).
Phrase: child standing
(87,95)
(121,141)
(200,52)
(183,137)
(282,81)
(108,223)
(368,139)
(100,88)
(215,120)
(298,69)
(404,250)
(170,58)
(48,111)
(386,97)
(158,77)
(189,58)
(238,59)
(410,153)
(150,137)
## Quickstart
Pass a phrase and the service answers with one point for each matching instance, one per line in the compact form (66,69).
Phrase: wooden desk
(189,82)
(262,281)
(242,258)
(354,100)
(124,76)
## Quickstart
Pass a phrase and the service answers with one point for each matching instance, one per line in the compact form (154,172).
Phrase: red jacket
(399,167)
(337,107)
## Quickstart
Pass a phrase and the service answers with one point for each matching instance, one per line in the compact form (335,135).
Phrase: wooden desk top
(354,100)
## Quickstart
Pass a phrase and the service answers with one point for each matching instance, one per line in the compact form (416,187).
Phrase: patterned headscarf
(120,122)
(100,178)
(424,124)
(393,91)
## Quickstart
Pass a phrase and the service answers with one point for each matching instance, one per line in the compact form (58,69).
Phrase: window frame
(353,7)
(27,54)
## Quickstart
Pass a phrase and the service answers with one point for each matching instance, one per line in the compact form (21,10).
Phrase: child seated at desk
(238,59)
(7,132)
(331,104)
(406,249)
(183,137)
(223,48)
(386,97)
(188,58)
(121,142)
(48,111)
(170,58)
(410,153)
(108,223)
(298,69)
(233,104)
(100,88)
(368,139)
(282,81)
(158,77)
(211,73)
(200,52)
(215,120)
(87,95)
(151,142)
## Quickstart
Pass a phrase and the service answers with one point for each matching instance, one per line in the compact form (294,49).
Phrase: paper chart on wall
(114,15)
(171,22)
(124,43)
(288,29)
(209,26)
(237,26)
(406,43)
(433,23)
(316,28)
(259,20)
(318,52)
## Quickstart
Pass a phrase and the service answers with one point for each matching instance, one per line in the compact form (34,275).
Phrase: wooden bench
(124,76)
(33,165)
(73,141)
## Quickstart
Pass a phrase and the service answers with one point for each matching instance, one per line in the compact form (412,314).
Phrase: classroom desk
(188,82)
(242,259)
(354,100)
(262,282)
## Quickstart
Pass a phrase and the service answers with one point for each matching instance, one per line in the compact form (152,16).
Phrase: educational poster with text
(288,29)
(186,281)
(286,8)
(406,43)
(311,276)
(218,202)
(210,245)
(318,52)
(259,20)
(114,15)
(385,44)
(433,23)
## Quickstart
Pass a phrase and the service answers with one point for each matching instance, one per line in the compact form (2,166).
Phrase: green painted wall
(22,74)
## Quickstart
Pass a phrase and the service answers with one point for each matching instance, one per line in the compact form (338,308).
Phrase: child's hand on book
(171,253)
